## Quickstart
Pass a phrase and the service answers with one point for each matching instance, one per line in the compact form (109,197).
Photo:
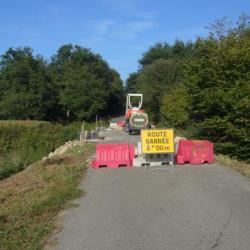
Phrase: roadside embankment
(31,199)
(239,166)
(25,142)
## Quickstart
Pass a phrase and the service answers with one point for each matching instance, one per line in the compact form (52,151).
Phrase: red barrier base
(109,164)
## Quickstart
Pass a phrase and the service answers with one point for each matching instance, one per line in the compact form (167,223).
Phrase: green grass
(10,165)
(24,142)
(31,199)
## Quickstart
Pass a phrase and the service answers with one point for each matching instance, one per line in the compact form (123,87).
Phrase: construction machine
(135,117)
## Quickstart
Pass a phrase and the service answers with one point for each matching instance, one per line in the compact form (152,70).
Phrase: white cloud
(109,29)
(133,6)
(102,27)
(123,26)
(133,29)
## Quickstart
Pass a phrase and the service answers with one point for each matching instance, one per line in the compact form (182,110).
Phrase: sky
(119,30)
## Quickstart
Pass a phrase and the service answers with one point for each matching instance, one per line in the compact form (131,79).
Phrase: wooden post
(96,120)
(82,133)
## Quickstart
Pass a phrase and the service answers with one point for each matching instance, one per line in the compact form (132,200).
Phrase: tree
(24,85)
(154,81)
(77,84)
(116,103)
(242,24)
(158,51)
(86,84)
(218,84)
(202,86)
(174,107)
(164,51)
(131,83)
(224,27)
(161,70)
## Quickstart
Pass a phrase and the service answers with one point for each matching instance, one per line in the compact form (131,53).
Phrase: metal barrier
(157,161)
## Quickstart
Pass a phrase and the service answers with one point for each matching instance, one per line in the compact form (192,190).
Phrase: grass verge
(239,166)
(31,199)
(25,142)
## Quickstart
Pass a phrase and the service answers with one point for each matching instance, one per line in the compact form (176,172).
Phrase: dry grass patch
(31,199)
(239,166)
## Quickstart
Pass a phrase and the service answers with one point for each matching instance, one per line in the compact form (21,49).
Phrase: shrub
(29,141)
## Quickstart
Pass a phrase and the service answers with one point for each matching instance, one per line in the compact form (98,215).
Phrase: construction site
(125,125)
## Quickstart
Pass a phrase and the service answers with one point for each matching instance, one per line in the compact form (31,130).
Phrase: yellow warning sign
(157,141)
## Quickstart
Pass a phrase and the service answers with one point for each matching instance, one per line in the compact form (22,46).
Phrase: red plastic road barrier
(121,124)
(114,155)
(195,152)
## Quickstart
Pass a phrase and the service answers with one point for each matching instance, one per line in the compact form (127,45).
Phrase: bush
(174,108)
(24,142)
(217,80)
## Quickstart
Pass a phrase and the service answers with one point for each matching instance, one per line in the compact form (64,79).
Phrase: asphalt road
(191,207)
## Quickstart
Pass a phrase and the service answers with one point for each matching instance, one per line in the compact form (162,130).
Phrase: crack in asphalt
(220,236)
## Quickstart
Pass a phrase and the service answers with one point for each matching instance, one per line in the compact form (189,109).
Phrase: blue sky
(120,30)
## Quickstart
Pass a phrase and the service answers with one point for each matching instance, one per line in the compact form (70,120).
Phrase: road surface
(191,207)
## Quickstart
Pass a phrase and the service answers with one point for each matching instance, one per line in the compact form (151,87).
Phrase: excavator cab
(135,118)
(134,102)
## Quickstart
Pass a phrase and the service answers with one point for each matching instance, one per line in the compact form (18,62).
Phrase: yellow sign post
(157,141)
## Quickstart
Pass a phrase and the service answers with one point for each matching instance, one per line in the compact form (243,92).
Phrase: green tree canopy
(131,83)
(25,89)
(76,84)
(203,87)
(86,84)
(175,107)
(164,51)
(154,81)
(218,84)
